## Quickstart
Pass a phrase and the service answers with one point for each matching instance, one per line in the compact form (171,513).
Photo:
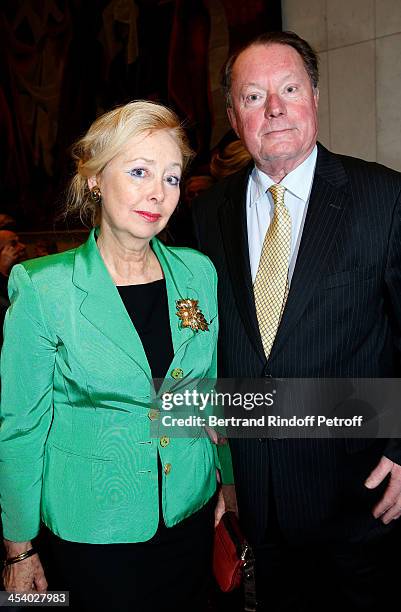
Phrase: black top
(147,306)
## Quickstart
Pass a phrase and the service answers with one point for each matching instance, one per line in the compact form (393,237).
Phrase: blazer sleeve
(27,368)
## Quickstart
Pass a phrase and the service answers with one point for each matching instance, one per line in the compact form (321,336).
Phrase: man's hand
(9,256)
(215,436)
(226,501)
(389,507)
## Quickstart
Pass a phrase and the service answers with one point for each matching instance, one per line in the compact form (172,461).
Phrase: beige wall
(359,44)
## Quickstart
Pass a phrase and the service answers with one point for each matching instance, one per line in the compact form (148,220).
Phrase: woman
(129,517)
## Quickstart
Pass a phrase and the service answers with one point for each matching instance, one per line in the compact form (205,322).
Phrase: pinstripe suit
(342,319)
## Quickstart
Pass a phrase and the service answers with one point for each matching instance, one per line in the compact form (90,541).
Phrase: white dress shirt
(260,208)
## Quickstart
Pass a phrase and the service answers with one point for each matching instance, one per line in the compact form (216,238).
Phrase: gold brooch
(190,315)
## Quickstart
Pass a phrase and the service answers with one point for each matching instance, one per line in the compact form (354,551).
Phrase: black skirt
(170,572)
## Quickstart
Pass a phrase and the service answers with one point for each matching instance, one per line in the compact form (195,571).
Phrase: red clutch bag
(232,556)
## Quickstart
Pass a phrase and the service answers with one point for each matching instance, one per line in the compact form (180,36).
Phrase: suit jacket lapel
(327,202)
(101,303)
(235,238)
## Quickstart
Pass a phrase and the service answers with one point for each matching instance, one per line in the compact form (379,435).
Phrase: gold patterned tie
(271,283)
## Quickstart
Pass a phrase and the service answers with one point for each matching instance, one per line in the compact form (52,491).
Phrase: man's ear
(232,119)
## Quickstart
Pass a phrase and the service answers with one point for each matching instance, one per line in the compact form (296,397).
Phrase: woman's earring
(96,195)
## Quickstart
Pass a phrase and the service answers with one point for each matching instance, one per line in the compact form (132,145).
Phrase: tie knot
(277,192)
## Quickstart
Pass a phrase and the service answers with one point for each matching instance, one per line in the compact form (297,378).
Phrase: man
(12,251)
(309,286)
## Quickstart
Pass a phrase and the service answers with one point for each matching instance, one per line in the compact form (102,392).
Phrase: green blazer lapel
(101,303)
(180,285)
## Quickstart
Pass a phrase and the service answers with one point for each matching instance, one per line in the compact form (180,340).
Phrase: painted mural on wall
(63,62)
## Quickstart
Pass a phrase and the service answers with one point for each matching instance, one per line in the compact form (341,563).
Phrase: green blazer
(76,448)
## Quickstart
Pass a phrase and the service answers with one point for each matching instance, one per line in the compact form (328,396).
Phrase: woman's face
(140,187)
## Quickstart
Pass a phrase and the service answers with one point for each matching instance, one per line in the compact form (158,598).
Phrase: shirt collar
(298,181)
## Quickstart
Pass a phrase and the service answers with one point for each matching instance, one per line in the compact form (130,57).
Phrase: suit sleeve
(222,451)
(199,223)
(195,224)
(393,285)
(27,368)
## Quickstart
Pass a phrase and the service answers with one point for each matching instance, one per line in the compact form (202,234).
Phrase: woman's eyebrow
(148,161)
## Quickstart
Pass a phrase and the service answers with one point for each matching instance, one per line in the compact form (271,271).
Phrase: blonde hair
(230,160)
(105,139)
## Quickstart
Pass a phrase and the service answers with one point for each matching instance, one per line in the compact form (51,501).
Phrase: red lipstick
(148,216)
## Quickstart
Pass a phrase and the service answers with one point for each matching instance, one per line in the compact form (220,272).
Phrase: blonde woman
(129,517)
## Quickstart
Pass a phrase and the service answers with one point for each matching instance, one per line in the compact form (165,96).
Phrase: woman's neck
(132,264)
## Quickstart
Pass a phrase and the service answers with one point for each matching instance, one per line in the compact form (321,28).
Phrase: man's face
(274,106)
(12,250)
